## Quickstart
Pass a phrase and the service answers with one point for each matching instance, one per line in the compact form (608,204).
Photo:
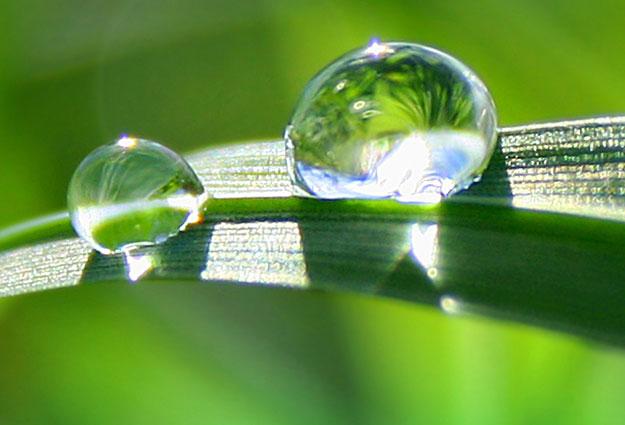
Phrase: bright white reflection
(138,265)
(424,247)
(421,168)
(257,252)
(127,142)
(401,170)
(377,48)
(450,305)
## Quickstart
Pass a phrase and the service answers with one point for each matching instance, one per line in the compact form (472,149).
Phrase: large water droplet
(393,120)
(131,193)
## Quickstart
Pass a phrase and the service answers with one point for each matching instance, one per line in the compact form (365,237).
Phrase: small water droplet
(450,305)
(415,125)
(132,193)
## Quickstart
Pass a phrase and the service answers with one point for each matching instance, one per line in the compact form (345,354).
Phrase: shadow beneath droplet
(362,254)
(180,257)
(558,272)
(100,267)
(554,271)
(184,256)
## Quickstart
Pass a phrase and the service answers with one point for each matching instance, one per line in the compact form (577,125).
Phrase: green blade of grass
(484,251)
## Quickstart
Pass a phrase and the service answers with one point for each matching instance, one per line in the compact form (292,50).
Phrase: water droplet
(392,120)
(132,193)
(450,305)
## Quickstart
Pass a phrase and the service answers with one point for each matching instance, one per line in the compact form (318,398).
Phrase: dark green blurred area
(192,73)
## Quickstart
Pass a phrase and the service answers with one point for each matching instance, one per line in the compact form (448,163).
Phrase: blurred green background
(190,73)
